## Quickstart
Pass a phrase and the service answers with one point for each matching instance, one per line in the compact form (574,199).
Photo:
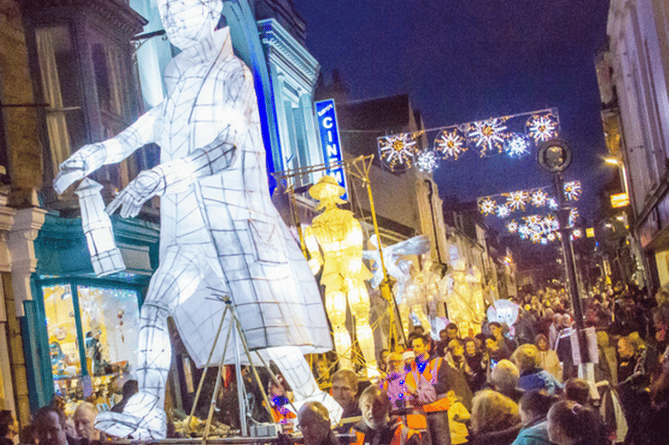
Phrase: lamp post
(554,156)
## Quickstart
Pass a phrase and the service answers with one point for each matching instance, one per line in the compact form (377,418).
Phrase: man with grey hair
(504,379)
(84,422)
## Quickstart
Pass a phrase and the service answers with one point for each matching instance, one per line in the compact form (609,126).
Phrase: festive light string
(488,137)
(503,204)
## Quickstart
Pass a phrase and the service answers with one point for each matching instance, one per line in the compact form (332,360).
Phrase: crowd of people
(520,384)
(515,384)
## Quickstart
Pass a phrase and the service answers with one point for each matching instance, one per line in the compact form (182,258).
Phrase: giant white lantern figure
(503,311)
(338,235)
(105,256)
(220,233)
(465,298)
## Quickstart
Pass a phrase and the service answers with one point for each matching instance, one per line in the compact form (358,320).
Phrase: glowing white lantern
(105,256)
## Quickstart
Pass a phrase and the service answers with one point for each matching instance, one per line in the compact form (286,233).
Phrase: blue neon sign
(329,132)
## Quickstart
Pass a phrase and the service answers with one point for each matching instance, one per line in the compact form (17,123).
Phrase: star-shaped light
(542,128)
(573,217)
(536,237)
(517,200)
(539,198)
(517,146)
(524,231)
(450,143)
(488,135)
(572,190)
(427,161)
(577,233)
(487,206)
(533,219)
(552,204)
(551,236)
(397,149)
(503,211)
(512,226)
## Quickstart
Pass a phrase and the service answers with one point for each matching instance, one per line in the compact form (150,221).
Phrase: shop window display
(105,321)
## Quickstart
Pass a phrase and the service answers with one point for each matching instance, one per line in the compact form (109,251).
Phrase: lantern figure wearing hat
(339,236)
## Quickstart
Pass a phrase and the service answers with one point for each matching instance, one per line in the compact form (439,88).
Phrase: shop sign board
(329,135)
(620,200)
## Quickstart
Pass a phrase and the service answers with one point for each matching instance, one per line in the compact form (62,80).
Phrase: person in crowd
(458,417)
(476,365)
(548,358)
(526,358)
(130,388)
(435,371)
(607,368)
(563,348)
(495,419)
(505,344)
(314,422)
(533,407)
(382,361)
(457,372)
(345,391)
(408,358)
(628,357)
(504,379)
(657,427)
(376,426)
(28,436)
(570,423)
(50,427)
(9,427)
(578,390)
(405,386)
(279,402)
(84,423)
(442,344)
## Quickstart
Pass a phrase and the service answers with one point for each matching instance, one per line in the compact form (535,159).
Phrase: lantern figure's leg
(176,279)
(335,306)
(358,298)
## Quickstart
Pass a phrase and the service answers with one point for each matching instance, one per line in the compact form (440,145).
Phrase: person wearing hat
(337,234)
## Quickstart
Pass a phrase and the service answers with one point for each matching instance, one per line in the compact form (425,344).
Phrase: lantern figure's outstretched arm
(93,156)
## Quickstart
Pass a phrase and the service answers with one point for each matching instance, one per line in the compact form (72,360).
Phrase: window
(92,335)
(61,88)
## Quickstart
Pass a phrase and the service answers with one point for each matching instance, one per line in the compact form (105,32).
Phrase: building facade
(633,74)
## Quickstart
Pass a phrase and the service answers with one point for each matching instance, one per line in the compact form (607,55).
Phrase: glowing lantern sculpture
(220,232)
(105,256)
(338,235)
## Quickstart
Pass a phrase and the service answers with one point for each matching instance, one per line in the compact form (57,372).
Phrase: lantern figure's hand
(145,186)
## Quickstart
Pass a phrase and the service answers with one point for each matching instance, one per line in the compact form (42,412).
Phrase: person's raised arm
(93,156)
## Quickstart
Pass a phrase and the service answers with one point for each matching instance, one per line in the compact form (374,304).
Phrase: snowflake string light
(524,232)
(450,143)
(542,128)
(427,161)
(397,149)
(539,198)
(572,190)
(577,233)
(552,204)
(488,135)
(536,237)
(533,219)
(517,200)
(487,206)
(503,211)
(517,146)
(512,226)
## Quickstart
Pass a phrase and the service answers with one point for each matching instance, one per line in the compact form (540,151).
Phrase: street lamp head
(554,156)
(612,160)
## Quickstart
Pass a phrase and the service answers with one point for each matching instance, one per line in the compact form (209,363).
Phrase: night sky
(466,60)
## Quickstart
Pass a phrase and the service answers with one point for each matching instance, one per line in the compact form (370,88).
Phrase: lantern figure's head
(503,311)
(188,22)
(328,191)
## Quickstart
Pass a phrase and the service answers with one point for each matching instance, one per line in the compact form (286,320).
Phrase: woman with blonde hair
(495,419)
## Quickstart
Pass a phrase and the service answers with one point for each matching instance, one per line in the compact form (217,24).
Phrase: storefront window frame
(39,283)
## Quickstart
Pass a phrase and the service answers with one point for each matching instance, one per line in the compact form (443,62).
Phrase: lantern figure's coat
(218,223)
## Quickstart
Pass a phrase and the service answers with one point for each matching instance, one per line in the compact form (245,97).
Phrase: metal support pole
(240,383)
(568,258)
